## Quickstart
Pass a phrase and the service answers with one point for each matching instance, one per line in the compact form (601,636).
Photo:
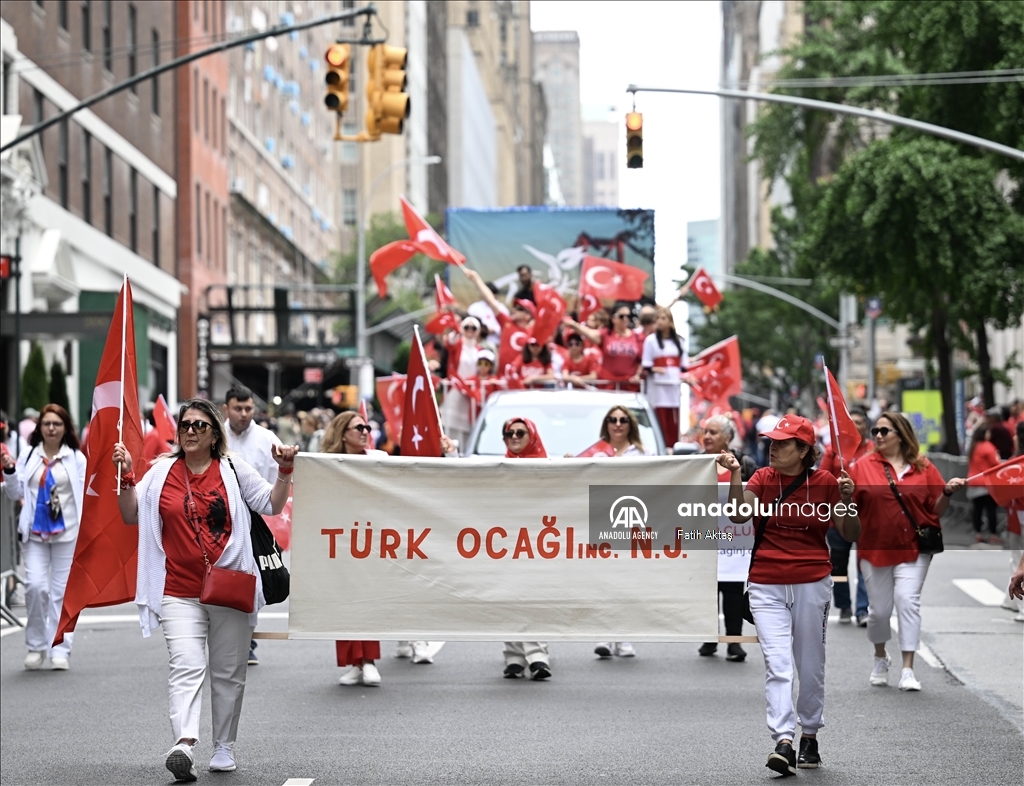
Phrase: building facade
(557,69)
(602,140)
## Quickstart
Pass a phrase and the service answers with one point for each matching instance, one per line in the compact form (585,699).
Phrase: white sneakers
(181,762)
(60,664)
(908,681)
(421,652)
(223,759)
(608,648)
(404,649)
(880,673)
(366,674)
(34,660)
(624,649)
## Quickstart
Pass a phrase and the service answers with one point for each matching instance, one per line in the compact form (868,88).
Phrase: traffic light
(634,140)
(387,103)
(338,68)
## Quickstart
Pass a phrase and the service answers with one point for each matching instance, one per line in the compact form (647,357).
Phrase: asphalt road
(665,717)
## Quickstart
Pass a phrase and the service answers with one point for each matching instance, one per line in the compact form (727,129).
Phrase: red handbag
(234,589)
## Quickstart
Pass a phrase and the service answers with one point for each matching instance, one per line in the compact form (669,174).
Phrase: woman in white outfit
(463,349)
(50,478)
(193,506)
(663,361)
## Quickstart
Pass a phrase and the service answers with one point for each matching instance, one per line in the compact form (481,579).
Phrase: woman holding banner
(523,441)
(192,509)
(789,582)
(663,361)
(898,490)
(50,478)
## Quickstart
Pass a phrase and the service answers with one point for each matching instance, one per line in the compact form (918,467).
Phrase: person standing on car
(621,348)
(663,361)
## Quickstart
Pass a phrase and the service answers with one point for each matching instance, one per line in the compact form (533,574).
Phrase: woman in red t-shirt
(982,456)
(894,569)
(580,366)
(534,366)
(621,348)
(789,581)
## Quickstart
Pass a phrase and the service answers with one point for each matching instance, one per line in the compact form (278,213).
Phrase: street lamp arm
(746,282)
(828,106)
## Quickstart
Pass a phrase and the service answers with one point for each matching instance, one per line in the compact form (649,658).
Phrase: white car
(568,421)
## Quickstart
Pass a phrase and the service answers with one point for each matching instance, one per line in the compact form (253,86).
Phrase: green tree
(34,384)
(58,386)
(400,365)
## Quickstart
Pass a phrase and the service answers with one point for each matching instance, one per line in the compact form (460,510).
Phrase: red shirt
(531,368)
(886,537)
(587,364)
(185,565)
(985,457)
(793,550)
(620,358)
(830,461)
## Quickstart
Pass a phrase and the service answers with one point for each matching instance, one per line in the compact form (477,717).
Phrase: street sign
(358,362)
(843,342)
(873,308)
(318,358)
(313,375)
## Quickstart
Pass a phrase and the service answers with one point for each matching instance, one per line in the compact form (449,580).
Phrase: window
(599,161)
(348,5)
(348,207)
(86,176)
(62,14)
(86,25)
(209,244)
(38,111)
(108,189)
(62,162)
(349,150)
(199,221)
(195,92)
(132,40)
(473,18)
(215,234)
(156,226)
(206,109)
(213,119)
(108,60)
(158,362)
(223,125)
(156,80)
(133,211)
(206,15)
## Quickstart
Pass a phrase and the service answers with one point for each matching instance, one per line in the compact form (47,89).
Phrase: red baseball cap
(792,427)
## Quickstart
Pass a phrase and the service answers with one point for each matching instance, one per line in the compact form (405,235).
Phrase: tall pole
(871,360)
(16,274)
(362,338)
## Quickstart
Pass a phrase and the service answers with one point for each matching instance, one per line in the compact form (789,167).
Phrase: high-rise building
(702,246)
(557,68)
(93,197)
(602,141)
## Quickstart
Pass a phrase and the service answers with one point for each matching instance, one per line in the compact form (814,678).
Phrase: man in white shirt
(253,443)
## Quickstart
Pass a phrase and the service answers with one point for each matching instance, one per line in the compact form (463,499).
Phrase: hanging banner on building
(499,550)
(551,241)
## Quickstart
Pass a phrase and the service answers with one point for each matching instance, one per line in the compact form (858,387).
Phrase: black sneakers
(539,671)
(735,653)
(708,649)
(783,759)
(513,670)
(808,758)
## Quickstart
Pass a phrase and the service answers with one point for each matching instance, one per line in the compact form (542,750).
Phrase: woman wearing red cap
(894,569)
(789,581)
(523,441)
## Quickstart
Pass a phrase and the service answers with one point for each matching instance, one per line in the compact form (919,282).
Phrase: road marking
(981,590)
(109,619)
(299,782)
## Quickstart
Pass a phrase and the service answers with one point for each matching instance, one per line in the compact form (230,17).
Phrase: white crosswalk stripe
(299,782)
(981,590)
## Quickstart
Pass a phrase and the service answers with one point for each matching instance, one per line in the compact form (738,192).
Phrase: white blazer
(20,486)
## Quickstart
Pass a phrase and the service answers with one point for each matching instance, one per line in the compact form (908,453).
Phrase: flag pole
(120,398)
(832,413)
(433,393)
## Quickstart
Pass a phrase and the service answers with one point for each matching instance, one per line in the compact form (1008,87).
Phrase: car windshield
(564,427)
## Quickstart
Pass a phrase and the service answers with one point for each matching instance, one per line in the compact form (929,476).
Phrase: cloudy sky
(668,44)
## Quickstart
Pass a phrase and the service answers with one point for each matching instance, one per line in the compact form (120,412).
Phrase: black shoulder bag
(759,536)
(929,539)
(274,575)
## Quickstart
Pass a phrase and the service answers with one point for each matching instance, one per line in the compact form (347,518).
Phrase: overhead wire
(889,80)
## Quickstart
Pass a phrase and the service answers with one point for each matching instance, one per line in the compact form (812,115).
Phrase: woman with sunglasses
(463,350)
(621,348)
(580,365)
(534,366)
(523,441)
(894,569)
(789,582)
(193,506)
(50,478)
(663,361)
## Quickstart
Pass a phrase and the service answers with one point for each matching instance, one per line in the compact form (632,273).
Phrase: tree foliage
(34,384)
(59,385)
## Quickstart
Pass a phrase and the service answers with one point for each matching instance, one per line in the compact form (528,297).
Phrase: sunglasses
(623,316)
(199,426)
(518,433)
(884,431)
(473,328)
(618,421)
(362,428)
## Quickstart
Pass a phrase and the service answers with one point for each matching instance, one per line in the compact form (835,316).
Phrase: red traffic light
(634,121)
(337,55)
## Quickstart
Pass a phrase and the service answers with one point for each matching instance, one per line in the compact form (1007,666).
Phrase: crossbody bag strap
(899,497)
(763,524)
(189,506)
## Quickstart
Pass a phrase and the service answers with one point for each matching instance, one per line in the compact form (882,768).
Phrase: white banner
(491,550)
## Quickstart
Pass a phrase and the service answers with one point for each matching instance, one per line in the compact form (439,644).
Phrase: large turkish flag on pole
(421,421)
(845,436)
(608,281)
(442,320)
(104,568)
(716,373)
(704,288)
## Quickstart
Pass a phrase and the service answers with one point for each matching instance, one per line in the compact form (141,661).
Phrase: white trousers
(791,620)
(526,652)
(47,566)
(189,627)
(900,585)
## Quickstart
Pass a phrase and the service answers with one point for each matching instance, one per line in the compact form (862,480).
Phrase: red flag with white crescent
(599,448)
(513,339)
(103,572)
(1005,482)
(443,320)
(704,288)
(387,259)
(429,242)
(607,280)
(421,423)
(550,310)
(165,425)
(391,395)
(716,373)
(845,436)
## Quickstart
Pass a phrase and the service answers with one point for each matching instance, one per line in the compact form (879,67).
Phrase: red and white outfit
(620,356)
(790,590)
(893,567)
(662,387)
(455,408)
(589,363)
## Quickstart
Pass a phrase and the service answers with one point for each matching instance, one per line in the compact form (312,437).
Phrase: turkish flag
(165,425)
(362,411)
(702,286)
(429,242)
(599,448)
(387,259)
(588,305)
(550,310)
(391,395)
(442,320)
(104,569)
(513,339)
(421,423)
(845,436)
(1005,481)
(716,373)
(609,281)
(281,525)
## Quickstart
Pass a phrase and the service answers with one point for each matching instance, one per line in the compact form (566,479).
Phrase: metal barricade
(8,551)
